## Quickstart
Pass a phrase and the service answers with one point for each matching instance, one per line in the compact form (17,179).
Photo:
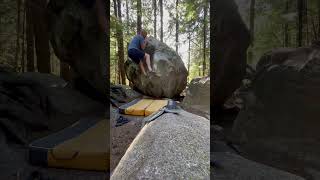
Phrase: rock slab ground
(171,147)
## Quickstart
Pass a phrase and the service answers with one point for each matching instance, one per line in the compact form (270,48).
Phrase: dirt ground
(122,136)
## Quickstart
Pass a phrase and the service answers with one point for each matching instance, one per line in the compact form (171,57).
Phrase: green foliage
(270,19)
(8,18)
(191,15)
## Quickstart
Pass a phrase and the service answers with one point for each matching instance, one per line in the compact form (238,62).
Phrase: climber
(136,50)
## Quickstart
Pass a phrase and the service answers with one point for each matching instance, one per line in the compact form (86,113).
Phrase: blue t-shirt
(136,42)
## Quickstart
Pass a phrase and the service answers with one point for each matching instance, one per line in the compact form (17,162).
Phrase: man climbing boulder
(136,53)
(169,76)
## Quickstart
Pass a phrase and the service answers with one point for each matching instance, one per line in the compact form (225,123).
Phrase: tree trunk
(318,20)
(155,18)
(189,57)
(286,27)
(116,70)
(177,26)
(139,15)
(204,65)
(23,40)
(306,21)
(65,71)
(199,68)
(252,17)
(121,46)
(18,35)
(161,20)
(128,25)
(117,64)
(127,16)
(41,36)
(299,22)
(29,37)
(115,9)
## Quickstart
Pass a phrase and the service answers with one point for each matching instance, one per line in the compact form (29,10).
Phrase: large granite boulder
(284,92)
(31,102)
(78,40)
(170,77)
(198,96)
(122,94)
(231,43)
(170,147)
(278,122)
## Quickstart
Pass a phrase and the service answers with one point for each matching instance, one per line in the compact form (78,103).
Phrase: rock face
(232,166)
(226,163)
(231,43)
(122,93)
(279,117)
(284,92)
(36,102)
(78,40)
(170,147)
(198,95)
(170,77)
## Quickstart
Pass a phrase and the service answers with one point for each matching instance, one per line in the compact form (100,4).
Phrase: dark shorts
(136,55)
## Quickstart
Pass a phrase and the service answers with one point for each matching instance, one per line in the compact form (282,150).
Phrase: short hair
(143,31)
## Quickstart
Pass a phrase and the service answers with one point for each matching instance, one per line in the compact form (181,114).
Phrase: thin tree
(299,22)
(120,46)
(204,65)
(252,17)
(286,27)
(116,71)
(305,21)
(155,18)
(23,40)
(139,15)
(118,75)
(161,20)
(199,68)
(41,35)
(29,36)
(189,48)
(318,19)
(18,34)
(177,26)
(128,24)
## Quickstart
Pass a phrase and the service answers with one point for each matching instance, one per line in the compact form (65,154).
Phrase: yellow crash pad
(139,107)
(155,106)
(142,107)
(84,145)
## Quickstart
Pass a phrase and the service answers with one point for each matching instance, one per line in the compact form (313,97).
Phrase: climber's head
(143,33)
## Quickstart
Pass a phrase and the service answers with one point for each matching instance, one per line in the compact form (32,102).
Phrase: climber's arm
(143,44)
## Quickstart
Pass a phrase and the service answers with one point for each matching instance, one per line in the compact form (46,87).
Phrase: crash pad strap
(67,133)
(122,109)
